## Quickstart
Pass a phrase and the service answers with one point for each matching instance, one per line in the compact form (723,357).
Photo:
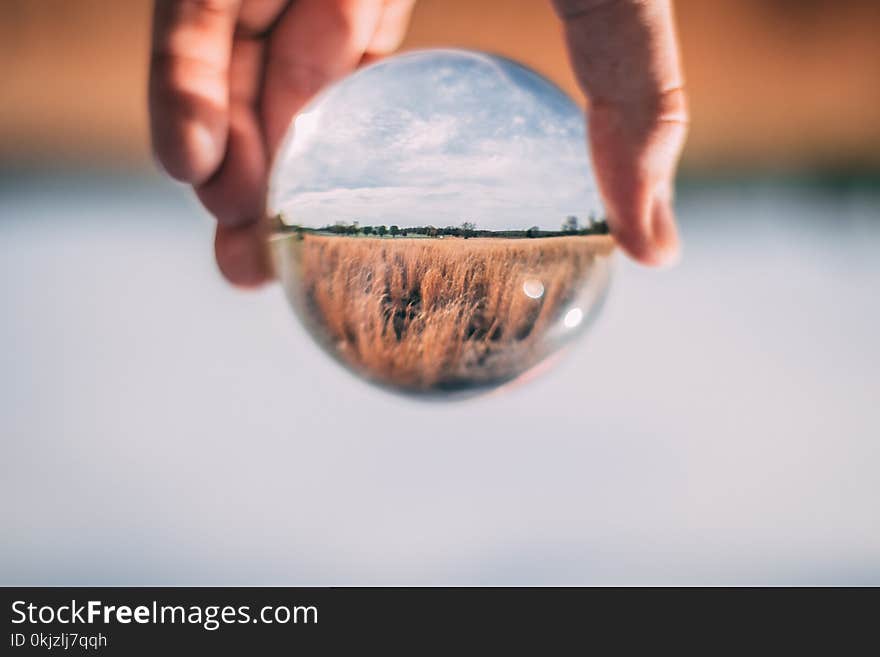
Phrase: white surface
(720,424)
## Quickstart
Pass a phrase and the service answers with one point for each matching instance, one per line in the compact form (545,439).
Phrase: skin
(227,76)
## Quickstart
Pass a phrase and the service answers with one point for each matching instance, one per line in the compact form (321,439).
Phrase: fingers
(256,17)
(242,254)
(235,194)
(391,28)
(635,150)
(314,43)
(217,111)
(625,56)
(188,93)
(390,31)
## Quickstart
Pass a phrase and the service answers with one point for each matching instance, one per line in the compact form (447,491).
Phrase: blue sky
(437,137)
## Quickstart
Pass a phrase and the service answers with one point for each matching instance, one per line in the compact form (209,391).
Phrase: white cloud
(438,139)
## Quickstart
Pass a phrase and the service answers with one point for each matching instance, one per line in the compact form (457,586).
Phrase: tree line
(570,226)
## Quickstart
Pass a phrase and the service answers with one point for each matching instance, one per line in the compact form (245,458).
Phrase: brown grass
(434,314)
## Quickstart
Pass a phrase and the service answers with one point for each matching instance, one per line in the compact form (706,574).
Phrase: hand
(625,56)
(227,76)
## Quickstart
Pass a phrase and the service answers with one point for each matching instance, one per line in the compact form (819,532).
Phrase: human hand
(625,57)
(227,76)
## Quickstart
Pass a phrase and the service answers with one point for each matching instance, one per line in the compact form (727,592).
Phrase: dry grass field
(436,314)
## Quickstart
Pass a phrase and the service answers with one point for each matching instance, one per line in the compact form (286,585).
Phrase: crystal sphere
(435,222)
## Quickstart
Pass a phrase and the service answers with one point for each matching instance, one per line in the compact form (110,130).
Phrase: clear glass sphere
(436,224)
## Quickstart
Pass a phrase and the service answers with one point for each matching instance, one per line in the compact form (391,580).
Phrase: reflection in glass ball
(436,225)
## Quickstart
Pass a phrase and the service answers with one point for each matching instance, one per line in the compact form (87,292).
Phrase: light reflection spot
(573,317)
(533,288)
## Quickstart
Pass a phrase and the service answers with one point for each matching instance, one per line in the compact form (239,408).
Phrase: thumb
(625,57)
(635,151)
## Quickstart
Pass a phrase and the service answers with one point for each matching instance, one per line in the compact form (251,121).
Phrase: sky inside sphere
(437,138)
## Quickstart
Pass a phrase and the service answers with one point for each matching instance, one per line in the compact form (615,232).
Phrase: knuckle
(670,105)
(642,117)
(175,74)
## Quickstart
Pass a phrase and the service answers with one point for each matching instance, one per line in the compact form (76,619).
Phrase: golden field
(426,314)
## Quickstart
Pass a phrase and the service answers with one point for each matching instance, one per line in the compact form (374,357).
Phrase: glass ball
(435,222)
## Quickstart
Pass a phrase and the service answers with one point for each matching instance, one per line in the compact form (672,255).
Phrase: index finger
(188,89)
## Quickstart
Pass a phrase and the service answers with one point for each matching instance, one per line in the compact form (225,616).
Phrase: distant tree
(367,230)
(571,224)
(381,230)
(394,230)
(468,228)
(430,231)
(533,231)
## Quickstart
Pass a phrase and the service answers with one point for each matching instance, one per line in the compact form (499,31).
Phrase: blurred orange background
(774,84)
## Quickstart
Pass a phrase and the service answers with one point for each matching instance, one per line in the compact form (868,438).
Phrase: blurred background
(720,424)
